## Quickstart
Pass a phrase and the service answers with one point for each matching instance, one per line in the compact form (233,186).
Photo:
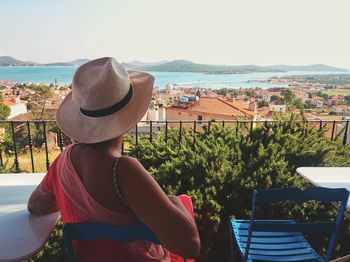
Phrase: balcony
(217,163)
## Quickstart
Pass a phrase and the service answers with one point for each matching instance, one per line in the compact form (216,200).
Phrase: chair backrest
(95,231)
(325,195)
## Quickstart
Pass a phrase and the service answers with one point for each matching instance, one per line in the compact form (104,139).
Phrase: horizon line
(171,60)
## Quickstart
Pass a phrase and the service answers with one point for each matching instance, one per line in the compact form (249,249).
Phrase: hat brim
(85,129)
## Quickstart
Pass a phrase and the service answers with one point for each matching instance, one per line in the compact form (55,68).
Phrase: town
(313,101)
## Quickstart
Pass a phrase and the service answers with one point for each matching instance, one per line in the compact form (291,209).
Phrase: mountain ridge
(183,66)
(188,66)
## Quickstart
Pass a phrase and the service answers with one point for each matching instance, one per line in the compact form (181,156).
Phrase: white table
(332,177)
(21,234)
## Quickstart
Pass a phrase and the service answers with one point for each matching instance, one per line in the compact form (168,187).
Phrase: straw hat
(106,101)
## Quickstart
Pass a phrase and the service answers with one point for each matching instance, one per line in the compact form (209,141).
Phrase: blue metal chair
(95,231)
(282,240)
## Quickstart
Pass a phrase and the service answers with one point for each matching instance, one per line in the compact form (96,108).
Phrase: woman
(91,182)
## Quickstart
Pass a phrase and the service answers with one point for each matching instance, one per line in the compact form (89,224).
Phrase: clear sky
(262,32)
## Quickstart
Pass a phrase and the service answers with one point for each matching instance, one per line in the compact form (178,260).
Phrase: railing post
(46,147)
(150,131)
(345,138)
(223,123)
(333,129)
(1,160)
(136,135)
(180,132)
(166,132)
(30,146)
(209,123)
(251,129)
(194,131)
(15,148)
(60,136)
(320,128)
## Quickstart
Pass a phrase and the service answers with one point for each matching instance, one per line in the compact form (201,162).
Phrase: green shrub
(219,168)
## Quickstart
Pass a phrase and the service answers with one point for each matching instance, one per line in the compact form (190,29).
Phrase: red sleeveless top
(77,206)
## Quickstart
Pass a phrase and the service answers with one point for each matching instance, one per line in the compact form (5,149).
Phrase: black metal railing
(16,135)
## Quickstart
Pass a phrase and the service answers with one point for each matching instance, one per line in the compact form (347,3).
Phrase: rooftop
(218,106)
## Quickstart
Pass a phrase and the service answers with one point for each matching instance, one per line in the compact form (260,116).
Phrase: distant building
(264,95)
(278,107)
(16,106)
(335,100)
(317,101)
(169,88)
(207,108)
(341,109)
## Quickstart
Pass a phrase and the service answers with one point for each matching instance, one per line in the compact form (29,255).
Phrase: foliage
(298,103)
(323,95)
(275,98)
(36,102)
(262,103)
(332,79)
(222,91)
(308,104)
(4,111)
(219,168)
(249,92)
(52,250)
(347,99)
(288,96)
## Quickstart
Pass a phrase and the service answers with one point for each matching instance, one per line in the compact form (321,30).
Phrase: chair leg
(231,242)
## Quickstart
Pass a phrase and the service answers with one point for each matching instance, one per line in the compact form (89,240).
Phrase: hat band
(109,110)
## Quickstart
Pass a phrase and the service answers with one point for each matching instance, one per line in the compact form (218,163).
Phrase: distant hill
(188,66)
(79,62)
(10,61)
(136,63)
(183,66)
(316,67)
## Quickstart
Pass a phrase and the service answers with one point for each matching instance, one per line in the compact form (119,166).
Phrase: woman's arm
(41,202)
(166,216)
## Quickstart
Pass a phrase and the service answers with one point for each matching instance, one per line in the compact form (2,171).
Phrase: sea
(64,74)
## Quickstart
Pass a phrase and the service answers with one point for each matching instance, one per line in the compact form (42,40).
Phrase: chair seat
(272,246)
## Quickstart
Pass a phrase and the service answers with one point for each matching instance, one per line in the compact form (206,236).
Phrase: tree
(323,95)
(288,96)
(298,103)
(250,93)
(262,103)
(36,103)
(308,104)
(5,111)
(274,98)
(347,99)
(222,91)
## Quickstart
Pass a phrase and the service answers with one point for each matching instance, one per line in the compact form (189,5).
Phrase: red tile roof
(9,102)
(218,106)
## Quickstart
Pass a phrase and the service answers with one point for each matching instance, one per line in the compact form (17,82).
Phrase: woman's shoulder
(131,166)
